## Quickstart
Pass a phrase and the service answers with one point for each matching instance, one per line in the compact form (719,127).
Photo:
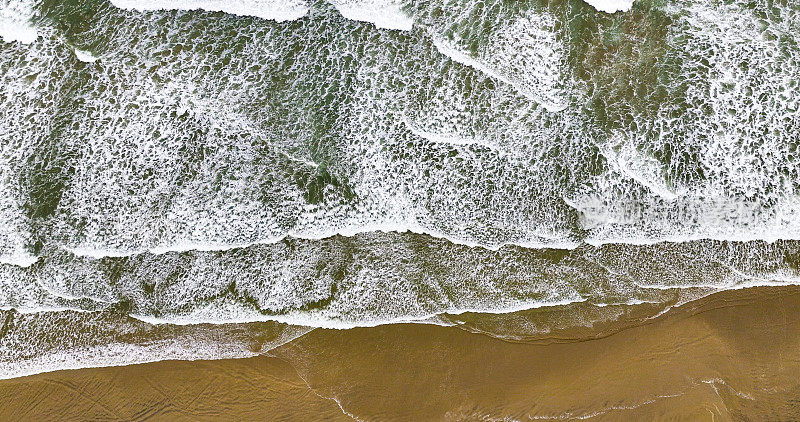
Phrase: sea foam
(277,10)
(387,14)
(124,342)
(15,23)
(611,6)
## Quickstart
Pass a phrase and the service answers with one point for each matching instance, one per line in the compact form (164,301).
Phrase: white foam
(540,240)
(539,94)
(611,6)
(322,320)
(734,132)
(631,302)
(447,138)
(14,228)
(623,157)
(277,10)
(15,24)
(381,285)
(19,258)
(594,414)
(97,251)
(210,348)
(11,30)
(190,345)
(385,14)
(117,355)
(85,56)
(413,166)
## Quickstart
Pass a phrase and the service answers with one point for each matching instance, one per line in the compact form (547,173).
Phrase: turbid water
(207,179)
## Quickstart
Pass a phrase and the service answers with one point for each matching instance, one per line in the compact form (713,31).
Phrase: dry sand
(731,356)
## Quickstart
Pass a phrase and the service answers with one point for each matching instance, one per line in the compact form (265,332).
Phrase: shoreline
(734,354)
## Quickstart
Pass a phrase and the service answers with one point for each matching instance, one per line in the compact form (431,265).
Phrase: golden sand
(731,356)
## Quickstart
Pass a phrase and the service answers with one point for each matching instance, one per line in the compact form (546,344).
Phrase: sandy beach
(734,355)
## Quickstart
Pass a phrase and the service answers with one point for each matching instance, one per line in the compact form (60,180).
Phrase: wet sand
(730,356)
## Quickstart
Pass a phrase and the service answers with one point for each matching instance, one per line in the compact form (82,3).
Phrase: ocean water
(200,179)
